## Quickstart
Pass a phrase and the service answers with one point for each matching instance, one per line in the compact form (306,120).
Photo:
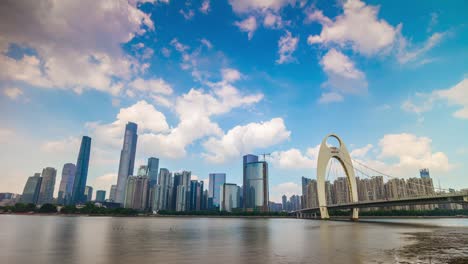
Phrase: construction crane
(264,155)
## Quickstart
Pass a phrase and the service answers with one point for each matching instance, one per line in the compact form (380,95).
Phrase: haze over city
(210,81)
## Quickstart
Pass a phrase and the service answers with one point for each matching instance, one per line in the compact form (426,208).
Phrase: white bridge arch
(341,154)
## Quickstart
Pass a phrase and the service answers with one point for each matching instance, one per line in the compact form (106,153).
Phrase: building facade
(165,181)
(81,175)
(31,189)
(127,160)
(100,196)
(230,197)
(66,183)
(153,169)
(46,193)
(136,194)
(112,191)
(216,180)
(88,193)
(256,186)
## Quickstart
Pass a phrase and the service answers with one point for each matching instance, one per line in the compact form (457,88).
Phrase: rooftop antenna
(264,155)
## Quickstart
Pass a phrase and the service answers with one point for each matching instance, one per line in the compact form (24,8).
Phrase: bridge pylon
(340,153)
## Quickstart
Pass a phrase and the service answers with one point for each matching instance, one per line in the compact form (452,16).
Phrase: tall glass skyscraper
(153,169)
(255,185)
(127,160)
(230,198)
(32,189)
(66,183)
(165,181)
(46,194)
(81,175)
(216,180)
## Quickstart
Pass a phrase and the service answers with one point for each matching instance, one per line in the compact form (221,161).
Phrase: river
(61,239)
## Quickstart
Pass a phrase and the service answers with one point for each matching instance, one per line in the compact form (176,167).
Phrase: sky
(210,81)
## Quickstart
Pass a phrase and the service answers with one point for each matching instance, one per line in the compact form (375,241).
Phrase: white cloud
(166,52)
(294,159)
(205,7)
(6,135)
(248,25)
(179,46)
(243,6)
(243,139)
(230,75)
(456,95)
(153,86)
(358,27)
(188,15)
(13,92)
(361,152)
(317,15)
(405,56)
(160,100)
(93,44)
(272,20)
(287,44)
(285,188)
(207,43)
(330,97)
(343,76)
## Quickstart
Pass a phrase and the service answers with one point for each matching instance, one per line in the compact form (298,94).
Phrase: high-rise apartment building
(46,193)
(81,175)
(165,181)
(66,183)
(136,195)
(127,161)
(31,189)
(181,198)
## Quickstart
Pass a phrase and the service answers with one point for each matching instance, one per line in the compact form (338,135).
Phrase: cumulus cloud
(13,92)
(205,7)
(287,44)
(295,159)
(93,49)
(248,25)
(243,139)
(456,95)
(358,27)
(244,6)
(361,152)
(230,75)
(152,86)
(343,77)
(272,20)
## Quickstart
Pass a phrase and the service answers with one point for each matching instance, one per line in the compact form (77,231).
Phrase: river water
(62,239)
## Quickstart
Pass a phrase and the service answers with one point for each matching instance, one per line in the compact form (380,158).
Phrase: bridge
(340,153)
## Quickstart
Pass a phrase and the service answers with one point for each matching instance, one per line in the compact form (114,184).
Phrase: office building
(230,196)
(31,189)
(155,197)
(88,193)
(66,183)
(284,202)
(112,191)
(81,175)
(311,199)
(255,184)
(216,180)
(305,181)
(153,169)
(100,196)
(127,160)
(136,194)
(46,193)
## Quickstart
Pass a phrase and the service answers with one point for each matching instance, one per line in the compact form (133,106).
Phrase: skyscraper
(81,175)
(31,189)
(229,197)
(112,193)
(180,179)
(142,170)
(255,184)
(181,198)
(46,194)
(100,196)
(66,183)
(196,194)
(153,169)
(305,199)
(216,180)
(127,160)
(88,193)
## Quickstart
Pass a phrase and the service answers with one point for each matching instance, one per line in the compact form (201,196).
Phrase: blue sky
(210,81)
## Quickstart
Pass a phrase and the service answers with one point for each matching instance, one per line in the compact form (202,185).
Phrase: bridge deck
(436,199)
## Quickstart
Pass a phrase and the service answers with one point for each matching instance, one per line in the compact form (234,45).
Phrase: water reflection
(50,239)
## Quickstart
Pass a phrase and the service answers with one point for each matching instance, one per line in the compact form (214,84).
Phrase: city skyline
(278,84)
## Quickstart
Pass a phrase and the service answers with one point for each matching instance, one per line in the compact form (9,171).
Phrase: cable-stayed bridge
(411,193)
